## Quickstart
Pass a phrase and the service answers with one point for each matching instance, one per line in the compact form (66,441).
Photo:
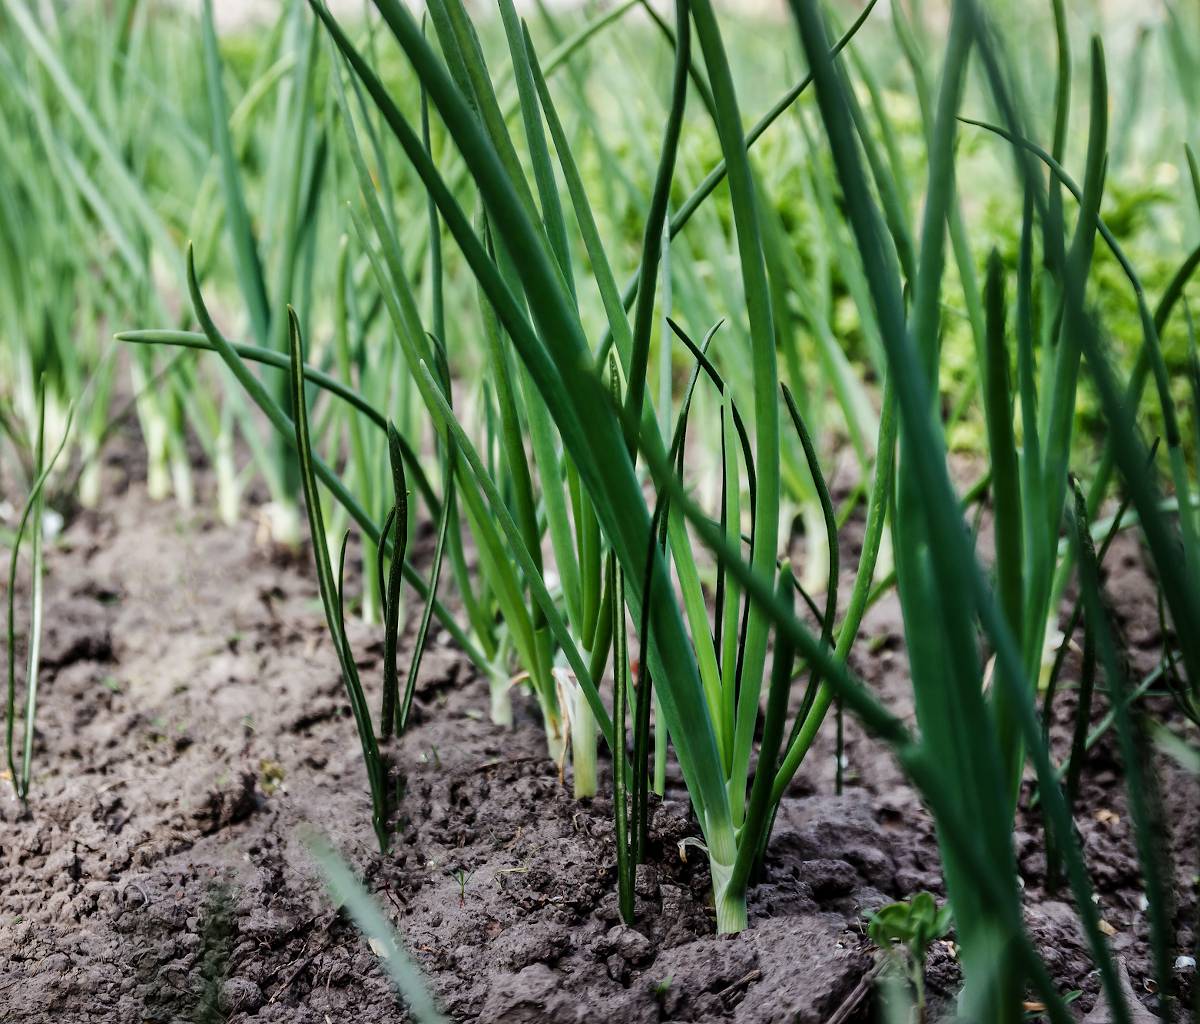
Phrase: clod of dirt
(71,634)
(709,978)
(218,798)
(1102,1013)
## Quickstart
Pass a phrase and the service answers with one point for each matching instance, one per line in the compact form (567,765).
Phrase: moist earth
(192,722)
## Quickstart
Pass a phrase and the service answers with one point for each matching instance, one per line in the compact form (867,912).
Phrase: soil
(192,720)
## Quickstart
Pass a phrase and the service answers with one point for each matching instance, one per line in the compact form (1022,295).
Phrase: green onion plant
(711,719)
(624,555)
(31,522)
(982,740)
(75,218)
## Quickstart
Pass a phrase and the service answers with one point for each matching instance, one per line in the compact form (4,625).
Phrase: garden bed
(192,718)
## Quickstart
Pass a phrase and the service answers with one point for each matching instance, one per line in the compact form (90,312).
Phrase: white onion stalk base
(158,478)
(229,488)
(584,736)
(283,523)
(730,907)
(500,704)
(181,479)
(89,482)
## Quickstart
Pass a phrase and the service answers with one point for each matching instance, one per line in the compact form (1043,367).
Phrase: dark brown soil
(192,718)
